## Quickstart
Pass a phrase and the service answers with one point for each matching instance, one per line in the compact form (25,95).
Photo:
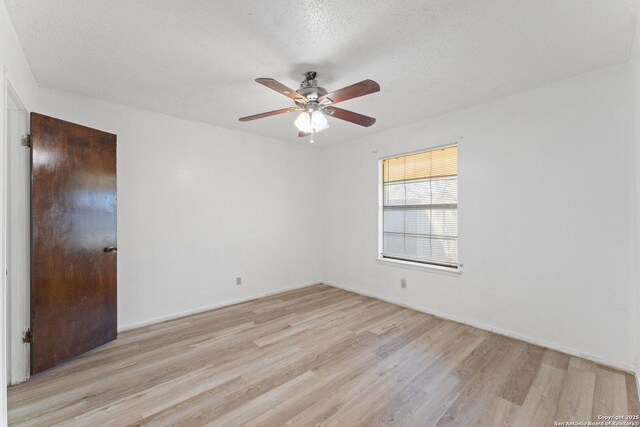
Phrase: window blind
(420,207)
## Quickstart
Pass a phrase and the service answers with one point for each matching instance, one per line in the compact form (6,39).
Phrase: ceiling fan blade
(279,87)
(365,87)
(302,134)
(268,114)
(350,116)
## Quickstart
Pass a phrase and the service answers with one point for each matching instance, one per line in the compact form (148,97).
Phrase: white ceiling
(197,59)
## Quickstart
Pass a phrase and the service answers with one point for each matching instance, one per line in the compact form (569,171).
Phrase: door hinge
(26,141)
(28,336)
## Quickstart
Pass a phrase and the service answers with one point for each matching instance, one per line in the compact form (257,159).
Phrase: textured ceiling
(197,59)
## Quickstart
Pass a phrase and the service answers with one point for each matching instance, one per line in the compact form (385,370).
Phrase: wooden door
(73,252)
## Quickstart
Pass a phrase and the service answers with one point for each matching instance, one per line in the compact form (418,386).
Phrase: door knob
(111,249)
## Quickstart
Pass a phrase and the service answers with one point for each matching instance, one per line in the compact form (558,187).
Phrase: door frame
(6,90)
(18,241)
(3,243)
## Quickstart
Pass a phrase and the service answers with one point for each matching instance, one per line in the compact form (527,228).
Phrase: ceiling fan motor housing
(309,87)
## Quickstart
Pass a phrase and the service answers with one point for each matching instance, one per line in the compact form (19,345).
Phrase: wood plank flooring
(320,356)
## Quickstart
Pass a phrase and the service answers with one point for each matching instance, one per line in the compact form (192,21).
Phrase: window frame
(405,263)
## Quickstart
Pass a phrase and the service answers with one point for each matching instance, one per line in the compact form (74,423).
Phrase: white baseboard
(531,340)
(210,307)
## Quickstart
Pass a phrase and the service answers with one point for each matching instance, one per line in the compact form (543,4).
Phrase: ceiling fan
(315,103)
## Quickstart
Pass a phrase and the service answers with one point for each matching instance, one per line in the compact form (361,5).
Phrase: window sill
(449,271)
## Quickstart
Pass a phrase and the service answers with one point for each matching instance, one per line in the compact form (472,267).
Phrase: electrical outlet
(403,283)
(238,281)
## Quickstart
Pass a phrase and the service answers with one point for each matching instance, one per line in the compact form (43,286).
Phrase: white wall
(199,205)
(545,181)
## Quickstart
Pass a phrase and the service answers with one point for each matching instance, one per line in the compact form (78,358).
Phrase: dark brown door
(73,252)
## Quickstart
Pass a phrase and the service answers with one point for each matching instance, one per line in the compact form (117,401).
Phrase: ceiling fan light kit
(311,123)
(315,104)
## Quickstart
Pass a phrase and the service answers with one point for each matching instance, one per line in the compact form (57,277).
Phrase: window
(420,207)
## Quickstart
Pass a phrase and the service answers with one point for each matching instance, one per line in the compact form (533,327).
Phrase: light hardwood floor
(320,356)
